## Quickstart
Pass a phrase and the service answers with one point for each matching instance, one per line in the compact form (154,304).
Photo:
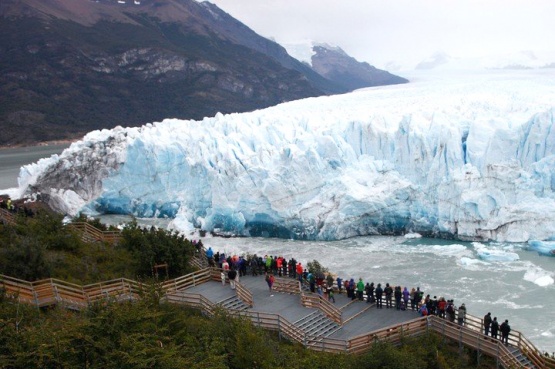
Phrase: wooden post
(279,327)
(478,353)
(497,357)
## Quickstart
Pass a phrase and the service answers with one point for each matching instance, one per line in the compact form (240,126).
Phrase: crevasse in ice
(467,156)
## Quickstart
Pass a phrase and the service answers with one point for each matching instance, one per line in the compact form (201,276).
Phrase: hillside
(71,66)
(350,74)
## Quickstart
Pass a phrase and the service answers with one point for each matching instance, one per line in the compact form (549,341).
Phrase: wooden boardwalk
(306,318)
(289,306)
(345,326)
(359,326)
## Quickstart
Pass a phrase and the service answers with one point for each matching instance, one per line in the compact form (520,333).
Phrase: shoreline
(40,144)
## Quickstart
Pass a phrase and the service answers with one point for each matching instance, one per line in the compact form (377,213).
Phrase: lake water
(518,287)
(13,159)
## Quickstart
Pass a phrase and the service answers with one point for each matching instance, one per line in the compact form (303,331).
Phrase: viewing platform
(348,326)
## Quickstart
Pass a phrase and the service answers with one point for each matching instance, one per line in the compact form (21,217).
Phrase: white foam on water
(452,250)
(413,235)
(539,276)
(515,306)
(472,264)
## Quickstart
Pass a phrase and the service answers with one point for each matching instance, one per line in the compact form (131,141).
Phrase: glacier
(469,156)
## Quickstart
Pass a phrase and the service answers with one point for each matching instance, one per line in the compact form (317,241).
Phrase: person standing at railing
(406,296)
(210,256)
(441,305)
(505,329)
(461,316)
(339,282)
(254,265)
(360,289)
(292,265)
(299,270)
(494,327)
(413,297)
(388,296)
(487,323)
(379,296)
(398,296)
(450,310)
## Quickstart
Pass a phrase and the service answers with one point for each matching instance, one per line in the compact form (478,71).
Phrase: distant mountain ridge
(71,66)
(334,64)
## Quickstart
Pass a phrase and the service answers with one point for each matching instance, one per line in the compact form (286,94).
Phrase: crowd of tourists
(326,285)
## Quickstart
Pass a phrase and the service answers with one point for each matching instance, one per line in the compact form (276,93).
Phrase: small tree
(315,267)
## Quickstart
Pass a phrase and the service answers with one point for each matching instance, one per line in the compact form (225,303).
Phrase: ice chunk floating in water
(466,156)
(543,248)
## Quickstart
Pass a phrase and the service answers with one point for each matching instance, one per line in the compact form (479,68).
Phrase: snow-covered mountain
(468,156)
(336,65)
(442,61)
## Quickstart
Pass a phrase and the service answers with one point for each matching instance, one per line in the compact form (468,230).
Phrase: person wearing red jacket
(300,271)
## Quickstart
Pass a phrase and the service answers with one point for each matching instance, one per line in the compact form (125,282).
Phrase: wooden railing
(286,285)
(318,302)
(188,280)
(393,334)
(7,217)
(54,291)
(516,339)
(244,294)
(91,233)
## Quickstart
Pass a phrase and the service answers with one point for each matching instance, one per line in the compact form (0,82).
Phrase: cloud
(379,31)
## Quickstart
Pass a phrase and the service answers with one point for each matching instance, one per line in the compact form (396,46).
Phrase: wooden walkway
(346,326)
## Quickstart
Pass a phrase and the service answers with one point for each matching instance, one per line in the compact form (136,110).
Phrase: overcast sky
(379,31)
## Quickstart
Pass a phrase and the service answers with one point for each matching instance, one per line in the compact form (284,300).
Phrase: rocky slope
(71,66)
(334,64)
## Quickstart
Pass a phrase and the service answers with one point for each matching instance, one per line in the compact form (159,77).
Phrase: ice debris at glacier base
(471,157)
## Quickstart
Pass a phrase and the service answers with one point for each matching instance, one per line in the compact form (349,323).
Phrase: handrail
(516,339)
(318,302)
(244,294)
(54,291)
(188,280)
(286,285)
(89,231)
(7,217)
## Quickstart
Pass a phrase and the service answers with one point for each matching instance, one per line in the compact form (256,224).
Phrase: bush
(150,247)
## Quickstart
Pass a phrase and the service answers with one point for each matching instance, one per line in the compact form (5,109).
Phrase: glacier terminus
(467,156)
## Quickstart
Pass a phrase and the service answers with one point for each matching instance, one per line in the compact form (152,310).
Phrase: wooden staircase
(317,324)
(233,303)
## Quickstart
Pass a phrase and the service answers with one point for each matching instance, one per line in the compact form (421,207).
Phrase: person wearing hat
(461,316)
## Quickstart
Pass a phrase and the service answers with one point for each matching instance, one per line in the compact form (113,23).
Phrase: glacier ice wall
(471,157)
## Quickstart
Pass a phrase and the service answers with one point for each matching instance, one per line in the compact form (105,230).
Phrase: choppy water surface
(520,288)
